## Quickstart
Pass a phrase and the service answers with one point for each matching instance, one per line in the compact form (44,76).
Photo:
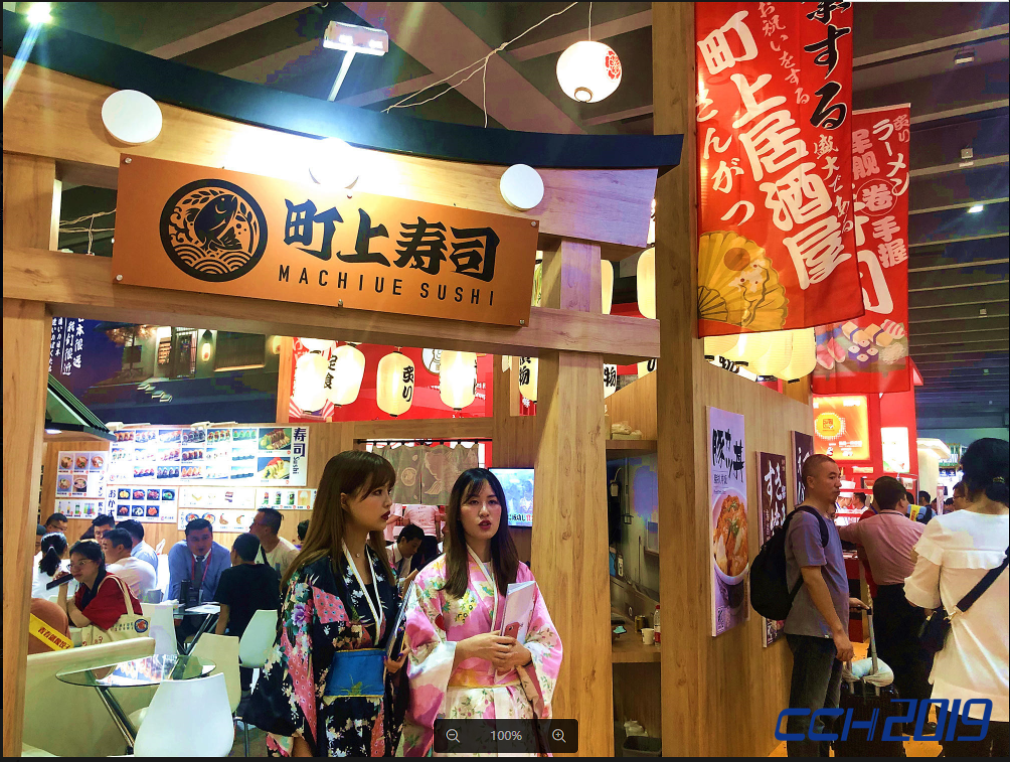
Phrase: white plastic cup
(648,636)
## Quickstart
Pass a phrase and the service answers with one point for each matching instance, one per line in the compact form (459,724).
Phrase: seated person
(303,529)
(141,549)
(52,564)
(57,522)
(99,600)
(246,587)
(101,525)
(53,616)
(275,551)
(40,532)
(408,542)
(139,575)
(197,561)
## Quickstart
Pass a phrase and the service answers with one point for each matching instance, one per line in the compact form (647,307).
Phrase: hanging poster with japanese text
(66,346)
(217,231)
(777,246)
(803,448)
(728,491)
(773,504)
(870,354)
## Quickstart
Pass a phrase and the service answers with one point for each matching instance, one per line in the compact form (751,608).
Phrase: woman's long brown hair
(504,556)
(353,473)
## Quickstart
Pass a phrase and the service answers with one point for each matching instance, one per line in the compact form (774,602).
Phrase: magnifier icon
(558,735)
(452,735)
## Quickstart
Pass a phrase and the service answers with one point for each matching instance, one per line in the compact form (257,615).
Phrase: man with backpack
(816,627)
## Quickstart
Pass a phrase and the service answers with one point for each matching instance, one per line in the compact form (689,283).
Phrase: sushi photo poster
(728,510)
(773,504)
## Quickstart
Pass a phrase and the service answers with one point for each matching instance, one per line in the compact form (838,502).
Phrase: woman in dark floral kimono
(327,688)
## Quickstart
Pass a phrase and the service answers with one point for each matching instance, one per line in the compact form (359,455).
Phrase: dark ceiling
(904,53)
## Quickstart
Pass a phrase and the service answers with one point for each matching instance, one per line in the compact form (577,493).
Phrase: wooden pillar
(570,558)
(285,374)
(683,525)
(28,189)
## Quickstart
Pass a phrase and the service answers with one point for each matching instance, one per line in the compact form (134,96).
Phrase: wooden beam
(237,25)
(27,211)
(951,41)
(396,90)
(59,116)
(570,539)
(285,373)
(600,32)
(75,285)
(465,429)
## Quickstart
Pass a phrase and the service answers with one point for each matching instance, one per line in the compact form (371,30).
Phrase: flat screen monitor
(518,486)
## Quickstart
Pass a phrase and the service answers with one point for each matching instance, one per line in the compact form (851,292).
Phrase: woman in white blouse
(52,564)
(954,554)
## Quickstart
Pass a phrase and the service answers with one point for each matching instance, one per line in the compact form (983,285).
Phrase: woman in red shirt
(99,600)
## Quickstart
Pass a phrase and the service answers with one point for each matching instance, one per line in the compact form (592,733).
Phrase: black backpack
(770,595)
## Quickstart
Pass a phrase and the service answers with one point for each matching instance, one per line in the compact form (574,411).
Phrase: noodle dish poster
(728,490)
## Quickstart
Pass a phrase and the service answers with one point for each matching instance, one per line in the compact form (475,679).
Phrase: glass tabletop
(152,670)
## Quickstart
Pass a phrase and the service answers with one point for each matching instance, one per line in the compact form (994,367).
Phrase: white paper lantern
(316,345)
(132,117)
(646,367)
(394,384)
(346,369)
(522,187)
(749,346)
(804,358)
(647,283)
(609,380)
(607,284)
(589,71)
(529,371)
(335,163)
(457,379)
(719,346)
(777,358)
(310,375)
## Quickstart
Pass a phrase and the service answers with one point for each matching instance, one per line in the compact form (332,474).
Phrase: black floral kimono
(325,612)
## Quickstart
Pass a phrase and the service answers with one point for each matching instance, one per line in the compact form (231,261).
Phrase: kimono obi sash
(357,673)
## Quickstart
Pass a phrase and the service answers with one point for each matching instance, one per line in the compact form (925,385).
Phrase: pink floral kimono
(435,622)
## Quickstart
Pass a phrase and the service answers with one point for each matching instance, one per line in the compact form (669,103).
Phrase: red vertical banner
(870,353)
(774,102)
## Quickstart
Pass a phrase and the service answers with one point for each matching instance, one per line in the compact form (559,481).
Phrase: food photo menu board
(231,509)
(81,474)
(143,503)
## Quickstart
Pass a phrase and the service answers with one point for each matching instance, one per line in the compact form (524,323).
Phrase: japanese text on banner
(777,245)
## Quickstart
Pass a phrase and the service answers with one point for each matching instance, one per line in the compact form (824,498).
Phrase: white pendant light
(609,380)
(394,384)
(346,369)
(607,284)
(589,71)
(647,283)
(522,187)
(719,346)
(316,345)
(335,163)
(777,358)
(310,375)
(529,370)
(749,346)
(646,367)
(804,358)
(457,379)
(132,117)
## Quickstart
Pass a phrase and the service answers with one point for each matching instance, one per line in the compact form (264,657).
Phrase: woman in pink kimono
(459,664)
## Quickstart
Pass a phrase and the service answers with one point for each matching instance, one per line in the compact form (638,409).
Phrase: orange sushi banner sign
(777,246)
(730,558)
(217,231)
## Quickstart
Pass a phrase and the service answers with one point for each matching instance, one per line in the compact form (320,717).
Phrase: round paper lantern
(522,187)
(132,117)
(647,283)
(529,370)
(609,380)
(749,347)
(346,369)
(719,346)
(804,358)
(335,163)
(394,384)
(778,356)
(457,379)
(647,367)
(607,284)
(309,392)
(316,345)
(589,71)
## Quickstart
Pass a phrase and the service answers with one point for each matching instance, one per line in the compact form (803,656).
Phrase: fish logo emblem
(213,230)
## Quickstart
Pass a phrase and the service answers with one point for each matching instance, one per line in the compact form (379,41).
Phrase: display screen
(518,486)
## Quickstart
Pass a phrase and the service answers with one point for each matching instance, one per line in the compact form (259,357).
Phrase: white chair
(162,616)
(254,649)
(222,651)
(188,718)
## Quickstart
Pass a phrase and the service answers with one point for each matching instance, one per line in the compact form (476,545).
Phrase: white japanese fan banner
(777,247)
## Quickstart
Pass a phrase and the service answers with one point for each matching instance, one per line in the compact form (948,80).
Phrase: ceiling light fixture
(335,163)
(39,13)
(975,209)
(964,56)
(353,39)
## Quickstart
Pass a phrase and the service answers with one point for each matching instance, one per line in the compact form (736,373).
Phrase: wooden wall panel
(636,404)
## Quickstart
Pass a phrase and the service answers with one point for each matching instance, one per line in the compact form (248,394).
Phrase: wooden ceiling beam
(956,40)
(601,31)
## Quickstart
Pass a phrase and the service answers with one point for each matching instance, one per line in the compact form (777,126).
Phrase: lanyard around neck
(490,578)
(378,616)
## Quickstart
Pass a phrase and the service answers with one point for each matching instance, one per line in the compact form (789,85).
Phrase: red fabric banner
(870,354)
(774,102)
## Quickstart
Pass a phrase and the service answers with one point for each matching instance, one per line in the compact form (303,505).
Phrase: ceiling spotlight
(335,163)
(38,13)
(975,209)
(964,56)
(352,38)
